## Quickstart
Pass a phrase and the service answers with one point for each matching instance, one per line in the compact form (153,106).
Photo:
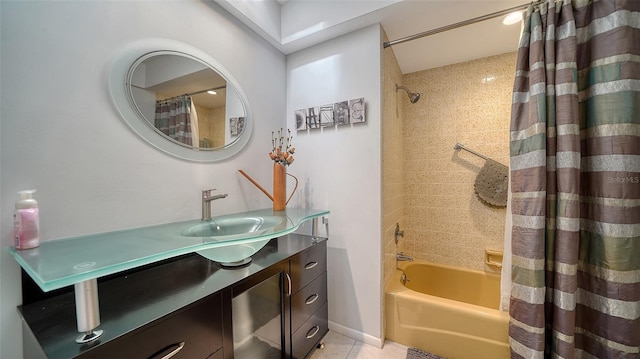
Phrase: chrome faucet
(206,202)
(403,257)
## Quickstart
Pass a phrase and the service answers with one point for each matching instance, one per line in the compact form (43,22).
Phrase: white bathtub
(451,312)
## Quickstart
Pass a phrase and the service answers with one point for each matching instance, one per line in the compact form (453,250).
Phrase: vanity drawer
(310,333)
(308,265)
(193,333)
(308,300)
(217,355)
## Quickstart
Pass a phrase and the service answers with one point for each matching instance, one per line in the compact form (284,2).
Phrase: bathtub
(451,312)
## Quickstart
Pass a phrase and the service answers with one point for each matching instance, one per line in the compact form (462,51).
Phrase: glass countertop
(63,262)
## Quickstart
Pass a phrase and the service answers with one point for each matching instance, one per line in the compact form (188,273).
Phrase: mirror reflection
(186,101)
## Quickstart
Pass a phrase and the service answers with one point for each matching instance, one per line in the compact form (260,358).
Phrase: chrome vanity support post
(87,310)
(314,228)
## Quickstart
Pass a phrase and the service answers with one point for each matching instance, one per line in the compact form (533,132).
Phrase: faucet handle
(398,233)
(207,192)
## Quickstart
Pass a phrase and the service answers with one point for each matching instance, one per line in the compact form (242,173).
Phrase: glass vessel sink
(231,227)
(225,227)
(236,255)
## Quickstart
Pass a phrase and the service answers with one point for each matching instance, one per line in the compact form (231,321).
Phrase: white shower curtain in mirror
(176,118)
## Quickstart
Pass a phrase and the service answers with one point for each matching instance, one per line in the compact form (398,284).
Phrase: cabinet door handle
(171,354)
(312,298)
(310,265)
(289,286)
(315,331)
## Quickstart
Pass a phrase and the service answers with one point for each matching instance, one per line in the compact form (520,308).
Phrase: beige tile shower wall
(469,103)
(211,123)
(392,151)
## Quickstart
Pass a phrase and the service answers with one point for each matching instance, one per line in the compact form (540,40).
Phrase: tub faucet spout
(403,257)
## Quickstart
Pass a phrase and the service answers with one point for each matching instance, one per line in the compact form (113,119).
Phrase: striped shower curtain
(173,118)
(575,181)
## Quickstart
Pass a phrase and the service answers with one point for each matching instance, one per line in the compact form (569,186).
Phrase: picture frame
(233,126)
(341,113)
(326,115)
(313,117)
(301,119)
(357,112)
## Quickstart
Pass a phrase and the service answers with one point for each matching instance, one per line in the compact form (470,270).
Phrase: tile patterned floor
(338,346)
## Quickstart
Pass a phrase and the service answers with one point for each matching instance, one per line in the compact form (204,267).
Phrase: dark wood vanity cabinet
(301,297)
(184,308)
(308,300)
(190,333)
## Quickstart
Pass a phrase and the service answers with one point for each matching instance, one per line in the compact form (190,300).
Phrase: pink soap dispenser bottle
(26,221)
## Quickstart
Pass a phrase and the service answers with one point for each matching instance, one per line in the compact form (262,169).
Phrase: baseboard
(354,334)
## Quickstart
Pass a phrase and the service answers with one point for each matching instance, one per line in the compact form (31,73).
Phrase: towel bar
(459,147)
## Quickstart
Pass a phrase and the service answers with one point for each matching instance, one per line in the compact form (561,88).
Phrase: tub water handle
(403,278)
(398,233)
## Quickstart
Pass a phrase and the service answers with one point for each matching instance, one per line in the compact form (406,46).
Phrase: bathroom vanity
(187,306)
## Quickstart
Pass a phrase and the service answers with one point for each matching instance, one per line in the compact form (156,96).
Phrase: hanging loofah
(491,184)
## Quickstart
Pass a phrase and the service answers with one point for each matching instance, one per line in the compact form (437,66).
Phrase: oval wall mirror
(180,100)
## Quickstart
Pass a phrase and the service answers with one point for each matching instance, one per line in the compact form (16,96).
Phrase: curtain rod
(189,94)
(211,89)
(459,24)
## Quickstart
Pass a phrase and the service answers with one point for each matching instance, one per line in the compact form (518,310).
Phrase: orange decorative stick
(256,184)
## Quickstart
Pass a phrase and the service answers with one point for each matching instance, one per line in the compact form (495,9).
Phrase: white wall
(261,16)
(296,25)
(61,135)
(297,22)
(340,169)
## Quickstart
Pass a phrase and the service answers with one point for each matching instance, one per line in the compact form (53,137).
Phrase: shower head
(413,96)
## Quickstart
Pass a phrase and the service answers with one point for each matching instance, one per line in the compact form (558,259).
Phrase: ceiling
(196,84)
(482,39)
(399,18)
